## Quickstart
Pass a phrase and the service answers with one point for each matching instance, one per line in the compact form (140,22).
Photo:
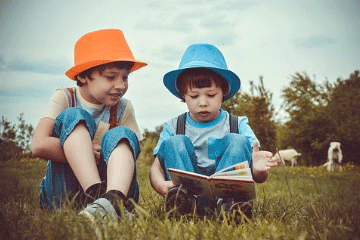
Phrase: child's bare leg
(79,154)
(121,168)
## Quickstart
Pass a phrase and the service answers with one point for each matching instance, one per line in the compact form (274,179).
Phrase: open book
(234,181)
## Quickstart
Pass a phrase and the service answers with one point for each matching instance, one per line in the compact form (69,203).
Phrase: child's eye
(110,77)
(211,95)
(193,96)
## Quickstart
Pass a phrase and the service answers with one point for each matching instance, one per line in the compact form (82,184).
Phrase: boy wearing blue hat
(203,140)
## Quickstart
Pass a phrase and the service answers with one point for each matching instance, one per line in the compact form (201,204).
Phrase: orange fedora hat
(100,47)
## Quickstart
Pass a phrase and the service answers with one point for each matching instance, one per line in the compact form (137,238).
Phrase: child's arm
(157,178)
(44,145)
(262,161)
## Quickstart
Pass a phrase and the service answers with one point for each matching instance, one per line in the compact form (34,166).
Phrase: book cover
(234,181)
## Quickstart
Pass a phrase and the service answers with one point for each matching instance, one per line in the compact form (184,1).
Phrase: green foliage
(148,144)
(325,206)
(344,116)
(258,108)
(308,126)
(320,114)
(9,150)
(14,138)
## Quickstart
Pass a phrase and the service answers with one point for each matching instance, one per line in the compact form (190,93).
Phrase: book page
(238,166)
(240,173)
(222,188)
(194,183)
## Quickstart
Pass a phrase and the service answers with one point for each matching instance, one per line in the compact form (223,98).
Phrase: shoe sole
(88,216)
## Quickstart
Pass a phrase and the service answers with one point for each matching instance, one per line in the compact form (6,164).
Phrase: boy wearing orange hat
(89,133)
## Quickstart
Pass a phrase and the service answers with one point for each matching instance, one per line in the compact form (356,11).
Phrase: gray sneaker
(100,210)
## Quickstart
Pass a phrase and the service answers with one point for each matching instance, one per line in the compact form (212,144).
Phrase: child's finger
(256,147)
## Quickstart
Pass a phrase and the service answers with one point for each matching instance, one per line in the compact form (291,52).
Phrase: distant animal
(289,155)
(335,157)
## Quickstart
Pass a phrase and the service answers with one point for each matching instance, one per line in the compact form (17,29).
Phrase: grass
(324,206)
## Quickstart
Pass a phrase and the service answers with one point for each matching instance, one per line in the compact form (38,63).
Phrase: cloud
(170,53)
(51,66)
(219,37)
(30,84)
(188,16)
(221,21)
(42,66)
(165,22)
(235,5)
(25,91)
(2,62)
(314,41)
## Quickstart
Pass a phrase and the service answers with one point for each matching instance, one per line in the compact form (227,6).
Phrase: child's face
(204,103)
(105,88)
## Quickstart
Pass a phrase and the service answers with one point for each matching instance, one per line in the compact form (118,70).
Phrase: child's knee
(179,142)
(234,139)
(66,122)
(117,136)
(75,112)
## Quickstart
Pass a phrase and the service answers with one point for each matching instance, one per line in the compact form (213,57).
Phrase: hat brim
(72,72)
(230,77)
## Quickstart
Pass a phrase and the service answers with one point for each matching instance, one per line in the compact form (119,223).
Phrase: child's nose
(203,101)
(120,84)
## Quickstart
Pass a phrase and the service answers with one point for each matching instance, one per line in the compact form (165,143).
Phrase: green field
(323,206)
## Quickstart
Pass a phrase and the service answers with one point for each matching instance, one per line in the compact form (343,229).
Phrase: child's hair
(200,78)
(119,65)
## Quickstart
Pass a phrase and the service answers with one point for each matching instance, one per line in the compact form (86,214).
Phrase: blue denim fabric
(60,182)
(178,152)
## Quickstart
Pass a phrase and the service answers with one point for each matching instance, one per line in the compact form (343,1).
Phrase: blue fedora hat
(203,56)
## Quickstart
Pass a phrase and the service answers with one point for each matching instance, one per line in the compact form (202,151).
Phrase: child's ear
(82,79)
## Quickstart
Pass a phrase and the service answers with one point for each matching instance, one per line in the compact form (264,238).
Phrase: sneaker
(179,202)
(234,208)
(90,195)
(100,210)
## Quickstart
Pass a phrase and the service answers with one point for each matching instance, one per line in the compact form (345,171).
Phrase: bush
(9,150)
(15,139)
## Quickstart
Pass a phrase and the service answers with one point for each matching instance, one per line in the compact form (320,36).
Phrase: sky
(272,38)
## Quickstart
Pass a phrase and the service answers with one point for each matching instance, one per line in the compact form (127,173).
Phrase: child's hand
(262,160)
(97,148)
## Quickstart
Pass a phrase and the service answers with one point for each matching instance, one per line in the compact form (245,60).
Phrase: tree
(258,108)
(344,115)
(15,139)
(320,114)
(307,129)
(148,144)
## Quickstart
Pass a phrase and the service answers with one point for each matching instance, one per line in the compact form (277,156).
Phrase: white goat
(288,155)
(334,157)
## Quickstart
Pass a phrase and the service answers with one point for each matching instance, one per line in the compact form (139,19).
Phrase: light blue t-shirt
(204,135)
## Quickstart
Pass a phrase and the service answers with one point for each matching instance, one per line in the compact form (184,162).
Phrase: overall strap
(113,116)
(234,127)
(113,109)
(71,91)
(180,126)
